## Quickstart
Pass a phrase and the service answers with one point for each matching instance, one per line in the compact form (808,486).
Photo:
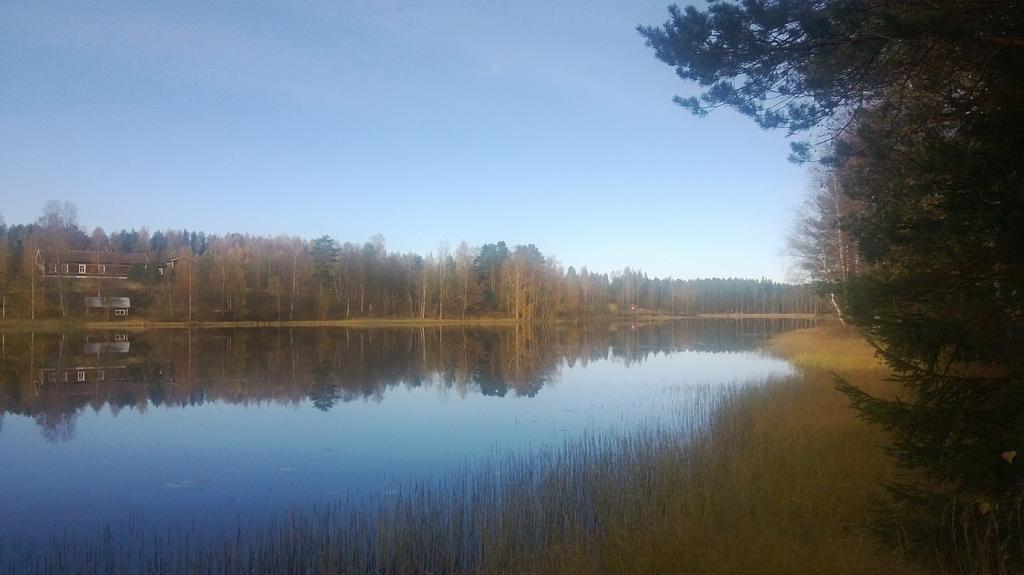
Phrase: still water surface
(169,427)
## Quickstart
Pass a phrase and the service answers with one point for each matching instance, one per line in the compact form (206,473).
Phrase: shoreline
(91,325)
(775,467)
(760,316)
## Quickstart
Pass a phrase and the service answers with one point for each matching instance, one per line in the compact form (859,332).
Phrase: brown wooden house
(117,305)
(88,264)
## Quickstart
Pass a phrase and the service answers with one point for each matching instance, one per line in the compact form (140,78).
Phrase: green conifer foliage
(917,107)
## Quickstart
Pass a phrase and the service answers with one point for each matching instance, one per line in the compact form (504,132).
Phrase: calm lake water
(169,427)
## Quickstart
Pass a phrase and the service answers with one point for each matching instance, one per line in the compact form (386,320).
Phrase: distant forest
(194,276)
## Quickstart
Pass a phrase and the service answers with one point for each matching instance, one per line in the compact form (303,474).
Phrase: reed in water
(773,478)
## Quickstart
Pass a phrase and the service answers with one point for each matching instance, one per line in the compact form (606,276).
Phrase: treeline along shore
(52,270)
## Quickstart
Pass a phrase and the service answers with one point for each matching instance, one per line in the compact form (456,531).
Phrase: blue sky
(530,121)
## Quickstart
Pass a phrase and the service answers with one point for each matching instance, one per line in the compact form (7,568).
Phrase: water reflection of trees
(54,377)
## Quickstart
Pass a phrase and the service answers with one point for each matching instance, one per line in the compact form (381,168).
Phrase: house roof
(96,257)
(179,258)
(108,302)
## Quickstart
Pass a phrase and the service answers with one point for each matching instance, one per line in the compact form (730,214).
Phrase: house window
(81,268)
(120,337)
(81,376)
(65,268)
(103,269)
(100,376)
(120,312)
(52,376)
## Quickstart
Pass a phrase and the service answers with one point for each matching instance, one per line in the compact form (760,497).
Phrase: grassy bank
(775,478)
(783,480)
(761,316)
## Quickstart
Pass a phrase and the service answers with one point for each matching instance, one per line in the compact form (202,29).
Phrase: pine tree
(917,106)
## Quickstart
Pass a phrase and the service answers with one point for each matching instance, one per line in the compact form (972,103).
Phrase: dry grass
(783,481)
(831,349)
(772,479)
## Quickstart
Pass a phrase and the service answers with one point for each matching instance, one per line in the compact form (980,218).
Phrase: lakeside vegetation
(780,477)
(49,268)
(910,113)
(894,449)
(71,325)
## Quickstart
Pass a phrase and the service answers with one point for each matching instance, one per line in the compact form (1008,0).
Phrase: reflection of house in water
(106,360)
(326,367)
(118,344)
(85,374)
(53,377)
